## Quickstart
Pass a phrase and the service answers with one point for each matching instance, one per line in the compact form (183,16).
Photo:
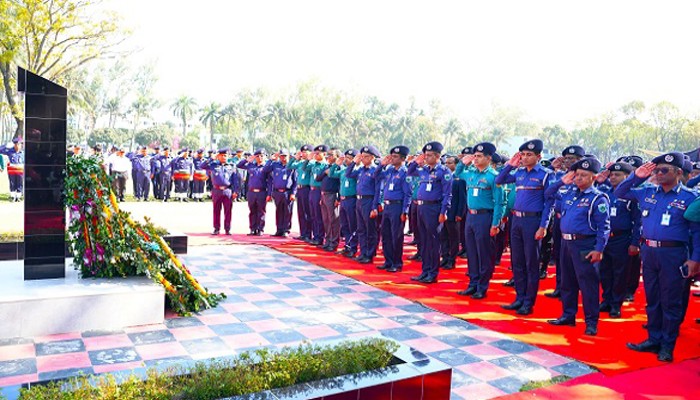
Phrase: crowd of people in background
(601,224)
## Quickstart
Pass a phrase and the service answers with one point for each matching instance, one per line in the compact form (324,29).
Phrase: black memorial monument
(45,163)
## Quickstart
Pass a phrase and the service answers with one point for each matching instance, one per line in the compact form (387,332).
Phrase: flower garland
(107,242)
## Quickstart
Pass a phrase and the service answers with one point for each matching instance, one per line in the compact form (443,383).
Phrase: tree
(53,38)
(210,115)
(140,108)
(184,108)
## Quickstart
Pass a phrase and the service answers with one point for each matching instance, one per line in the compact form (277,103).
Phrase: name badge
(666,219)
(428,187)
(391,186)
(475,192)
(284,177)
(303,175)
(645,213)
(347,183)
(613,211)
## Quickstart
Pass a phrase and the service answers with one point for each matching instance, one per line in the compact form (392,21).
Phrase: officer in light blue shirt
(433,200)
(667,239)
(348,202)
(299,163)
(585,229)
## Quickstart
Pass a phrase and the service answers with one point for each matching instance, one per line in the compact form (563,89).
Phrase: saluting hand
(602,176)
(357,159)
(557,162)
(250,158)
(645,170)
(568,177)
(515,160)
(275,156)
(386,159)
(468,159)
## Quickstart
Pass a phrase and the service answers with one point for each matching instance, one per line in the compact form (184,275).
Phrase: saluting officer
(450,235)
(585,228)
(667,237)
(485,206)
(530,218)
(298,163)
(165,173)
(348,202)
(625,233)
(330,206)
(283,190)
(257,191)
(397,200)
(224,189)
(315,167)
(142,167)
(634,266)
(434,198)
(367,196)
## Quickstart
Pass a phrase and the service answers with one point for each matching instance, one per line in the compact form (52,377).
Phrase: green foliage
(249,372)
(11,237)
(532,385)
(107,243)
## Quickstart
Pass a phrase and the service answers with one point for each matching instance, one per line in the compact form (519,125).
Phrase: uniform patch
(603,208)
(448,177)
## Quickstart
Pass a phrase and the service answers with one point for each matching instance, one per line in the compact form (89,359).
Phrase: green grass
(532,385)
(249,372)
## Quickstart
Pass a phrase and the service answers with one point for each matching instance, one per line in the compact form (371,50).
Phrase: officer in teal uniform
(298,163)
(348,201)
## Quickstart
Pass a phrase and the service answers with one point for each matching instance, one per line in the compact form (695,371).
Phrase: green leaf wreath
(107,243)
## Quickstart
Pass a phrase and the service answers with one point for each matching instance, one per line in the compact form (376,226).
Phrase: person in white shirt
(120,170)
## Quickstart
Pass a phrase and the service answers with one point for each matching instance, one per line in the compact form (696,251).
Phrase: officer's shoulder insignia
(602,208)
(448,177)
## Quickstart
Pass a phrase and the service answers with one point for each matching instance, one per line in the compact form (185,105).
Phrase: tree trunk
(9,94)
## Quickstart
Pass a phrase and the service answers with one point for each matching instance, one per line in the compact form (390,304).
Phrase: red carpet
(606,352)
(676,381)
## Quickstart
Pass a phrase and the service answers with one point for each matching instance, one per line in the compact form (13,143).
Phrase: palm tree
(253,116)
(113,108)
(452,129)
(184,107)
(210,116)
(140,108)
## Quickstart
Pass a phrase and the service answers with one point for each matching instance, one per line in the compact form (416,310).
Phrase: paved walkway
(277,300)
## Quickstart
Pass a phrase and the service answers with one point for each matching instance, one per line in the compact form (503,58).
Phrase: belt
(281,190)
(255,190)
(387,202)
(364,196)
(302,186)
(573,236)
(620,233)
(348,197)
(314,187)
(222,187)
(328,192)
(414,201)
(526,214)
(422,202)
(664,243)
(481,211)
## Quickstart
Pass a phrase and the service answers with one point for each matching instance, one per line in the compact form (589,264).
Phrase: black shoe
(629,298)
(300,237)
(467,292)
(313,242)
(409,233)
(646,346)
(418,278)
(412,243)
(665,355)
(393,269)
(615,313)
(543,274)
(444,262)
(349,254)
(554,294)
(228,233)
(561,322)
(251,233)
(696,294)
(365,260)
(513,306)
(605,307)
(462,254)
(644,326)
(359,258)
(383,266)
(277,234)
(216,232)
(479,296)
(429,280)
(450,265)
(258,233)
(185,200)
(330,249)
(510,283)
(524,310)
(591,330)
(415,257)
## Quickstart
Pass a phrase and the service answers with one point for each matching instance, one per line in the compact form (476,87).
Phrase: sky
(558,61)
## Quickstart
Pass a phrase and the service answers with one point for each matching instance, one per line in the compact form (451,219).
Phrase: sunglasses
(661,170)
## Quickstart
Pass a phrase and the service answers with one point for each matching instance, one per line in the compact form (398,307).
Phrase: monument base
(72,304)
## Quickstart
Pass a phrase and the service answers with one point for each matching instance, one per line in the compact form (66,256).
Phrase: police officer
(462,237)
(625,234)
(200,175)
(485,206)
(530,217)
(15,169)
(509,194)
(367,198)
(299,163)
(165,171)
(155,172)
(634,267)
(395,204)
(348,202)
(142,166)
(183,173)
(585,228)
(434,198)
(223,191)
(257,191)
(283,190)
(667,236)
(314,168)
(330,207)
(450,236)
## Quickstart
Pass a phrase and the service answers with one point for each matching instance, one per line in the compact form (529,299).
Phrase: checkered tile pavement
(276,300)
